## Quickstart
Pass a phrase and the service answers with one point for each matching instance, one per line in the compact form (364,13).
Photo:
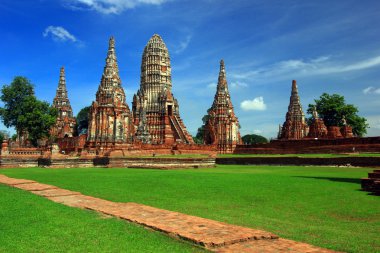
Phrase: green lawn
(301,155)
(29,223)
(319,205)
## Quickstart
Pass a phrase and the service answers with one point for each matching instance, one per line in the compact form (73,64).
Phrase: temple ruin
(222,125)
(317,127)
(110,120)
(294,127)
(155,110)
(65,124)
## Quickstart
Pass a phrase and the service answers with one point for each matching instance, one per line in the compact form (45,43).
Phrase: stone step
(201,231)
(14,181)
(272,246)
(374,175)
(35,186)
(370,184)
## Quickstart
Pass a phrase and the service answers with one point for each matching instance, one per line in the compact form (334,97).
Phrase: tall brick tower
(294,127)
(222,125)
(110,121)
(65,124)
(155,110)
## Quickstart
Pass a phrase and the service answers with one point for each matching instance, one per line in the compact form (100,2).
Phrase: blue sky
(327,46)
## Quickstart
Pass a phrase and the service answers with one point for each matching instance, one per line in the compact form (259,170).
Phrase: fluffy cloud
(256,104)
(212,85)
(257,131)
(59,33)
(109,6)
(371,90)
(238,84)
(183,44)
(322,65)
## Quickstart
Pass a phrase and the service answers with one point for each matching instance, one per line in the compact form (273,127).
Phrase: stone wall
(72,144)
(305,146)
(18,162)
(109,162)
(336,161)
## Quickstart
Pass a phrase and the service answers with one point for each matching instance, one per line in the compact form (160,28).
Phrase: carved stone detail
(155,110)
(65,124)
(294,127)
(110,121)
(222,125)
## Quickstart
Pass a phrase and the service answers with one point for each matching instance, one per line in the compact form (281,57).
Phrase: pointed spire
(222,67)
(294,87)
(62,76)
(111,43)
(111,70)
(222,80)
(61,89)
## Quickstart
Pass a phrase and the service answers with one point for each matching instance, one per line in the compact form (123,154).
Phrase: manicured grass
(29,223)
(319,205)
(177,156)
(301,155)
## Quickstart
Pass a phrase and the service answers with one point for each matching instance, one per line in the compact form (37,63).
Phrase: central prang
(155,110)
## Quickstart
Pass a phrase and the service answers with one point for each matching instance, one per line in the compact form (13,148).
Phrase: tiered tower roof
(222,96)
(61,100)
(155,71)
(222,126)
(110,90)
(295,108)
(294,126)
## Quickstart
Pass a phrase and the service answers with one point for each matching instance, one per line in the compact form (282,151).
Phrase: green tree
(82,119)
(23,111)
(333,108)
(254,139)
(199,137)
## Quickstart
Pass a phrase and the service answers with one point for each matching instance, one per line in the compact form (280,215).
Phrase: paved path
(213,235)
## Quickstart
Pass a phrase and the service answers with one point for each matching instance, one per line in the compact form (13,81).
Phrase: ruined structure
(317,127)
(346,130)
(222,125)
(294,127)
(65,124)
(110,121)
(155,110)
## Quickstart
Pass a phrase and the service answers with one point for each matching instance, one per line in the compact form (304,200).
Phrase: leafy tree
(333,108)
(254,139)
(200,132)
(82,120)
(24,111)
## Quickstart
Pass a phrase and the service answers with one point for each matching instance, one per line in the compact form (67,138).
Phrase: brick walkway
(213,235)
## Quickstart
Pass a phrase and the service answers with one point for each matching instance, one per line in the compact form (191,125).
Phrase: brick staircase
(372,183)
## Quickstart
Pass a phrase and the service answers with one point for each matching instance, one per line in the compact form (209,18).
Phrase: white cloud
(257,131)
(298,67)
(371,90)
(183,44)
(109,6)
(212,85)
(256,104)
(59,33)
(238,84)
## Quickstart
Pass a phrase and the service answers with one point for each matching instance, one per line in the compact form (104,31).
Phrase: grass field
(302,155)
(318,205)
(29,223)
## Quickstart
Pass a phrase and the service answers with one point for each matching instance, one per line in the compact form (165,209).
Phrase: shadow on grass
(336,179)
